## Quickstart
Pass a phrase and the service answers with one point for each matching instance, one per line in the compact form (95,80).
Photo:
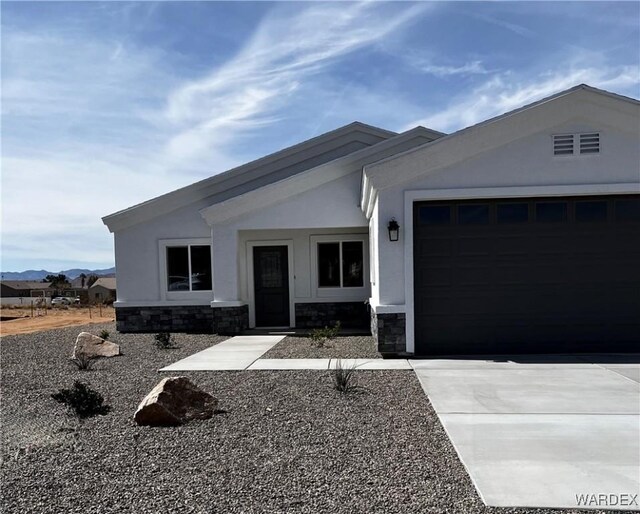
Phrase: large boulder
(94,346)
(174,401)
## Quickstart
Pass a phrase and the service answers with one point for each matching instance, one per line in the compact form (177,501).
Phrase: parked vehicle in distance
(61,300)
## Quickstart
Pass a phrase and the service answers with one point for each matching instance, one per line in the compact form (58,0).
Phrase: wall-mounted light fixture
(394,230)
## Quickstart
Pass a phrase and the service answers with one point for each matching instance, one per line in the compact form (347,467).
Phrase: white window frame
(165,294)
(341,292)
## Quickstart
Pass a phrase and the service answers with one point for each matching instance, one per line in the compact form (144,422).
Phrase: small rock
(174,401)
(94,346)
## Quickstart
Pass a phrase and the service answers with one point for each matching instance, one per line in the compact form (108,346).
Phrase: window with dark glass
(551,212)
(473,214)
(512,213)
(189,268)
(591,211)
(435,214)
(341,264)
(352,264)
(628,210)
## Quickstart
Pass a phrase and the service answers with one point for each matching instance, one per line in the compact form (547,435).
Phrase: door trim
(251,280)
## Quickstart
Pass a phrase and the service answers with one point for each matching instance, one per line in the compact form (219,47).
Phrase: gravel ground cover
(342,347)
(287,442)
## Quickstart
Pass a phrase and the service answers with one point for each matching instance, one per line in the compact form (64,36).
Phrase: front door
(271,283)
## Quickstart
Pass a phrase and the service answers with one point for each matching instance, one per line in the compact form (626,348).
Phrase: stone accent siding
(195,319)
(230,320)
(318,315)
(389,330)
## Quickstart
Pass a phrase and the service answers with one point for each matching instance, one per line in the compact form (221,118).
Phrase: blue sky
(105,105)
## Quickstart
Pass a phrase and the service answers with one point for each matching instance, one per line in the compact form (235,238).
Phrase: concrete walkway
(543,432)
(237,353)
(245,352)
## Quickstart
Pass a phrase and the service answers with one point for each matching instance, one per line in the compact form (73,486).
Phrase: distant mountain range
(33,274)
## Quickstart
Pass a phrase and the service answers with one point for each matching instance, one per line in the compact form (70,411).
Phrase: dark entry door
(271,283)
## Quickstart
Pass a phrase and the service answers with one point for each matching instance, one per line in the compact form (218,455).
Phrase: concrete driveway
(543,431)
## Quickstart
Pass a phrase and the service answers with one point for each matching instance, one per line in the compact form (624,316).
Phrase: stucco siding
(524,163)
(136,249)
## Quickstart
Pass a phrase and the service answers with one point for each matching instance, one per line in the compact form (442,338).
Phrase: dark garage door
(527,275)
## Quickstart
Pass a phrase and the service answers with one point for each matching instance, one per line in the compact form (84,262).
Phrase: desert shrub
(320,336)
(82,400)
(164,341)
(104,334)
(344,379)
(84,362)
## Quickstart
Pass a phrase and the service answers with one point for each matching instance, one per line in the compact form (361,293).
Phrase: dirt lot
(50,319)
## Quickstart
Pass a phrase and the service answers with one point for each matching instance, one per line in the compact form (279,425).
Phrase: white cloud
(505,92)
(285,51)
(470,68)
(95,123)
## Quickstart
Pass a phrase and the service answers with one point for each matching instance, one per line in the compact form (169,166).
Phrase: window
(189,268)
(591,211)
(513,213)
(628,210)
(551,212)
(340,264)
(473,214)
(435,215)
(587,143)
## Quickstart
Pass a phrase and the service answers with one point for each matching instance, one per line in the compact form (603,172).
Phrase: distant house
(24,288)
(79,282)
(103,289)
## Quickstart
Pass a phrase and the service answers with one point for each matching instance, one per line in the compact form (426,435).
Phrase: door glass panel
(328,264)
(178,268)
(513,213)
(551,212)
(201,268)
(473,214)
(271,275)
(352,261)
(591,211)
(435,214)
(628,210)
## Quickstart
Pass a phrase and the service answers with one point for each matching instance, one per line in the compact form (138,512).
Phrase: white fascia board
(194,192)
(467,143)
(304,181)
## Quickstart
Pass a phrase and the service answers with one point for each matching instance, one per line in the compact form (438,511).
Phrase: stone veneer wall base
(389,331)
(323,314)
(195,319)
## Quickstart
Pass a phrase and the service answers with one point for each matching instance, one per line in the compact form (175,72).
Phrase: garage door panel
(472,246)
(438,277)
(558,285)
(436,247)
(511,246)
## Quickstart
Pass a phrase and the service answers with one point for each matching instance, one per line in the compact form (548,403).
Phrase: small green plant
(164,341)
(82,400)
(84,362)
(320,336)
(104,334)
(344,379)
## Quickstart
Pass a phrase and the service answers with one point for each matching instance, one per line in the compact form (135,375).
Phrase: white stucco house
(518,234)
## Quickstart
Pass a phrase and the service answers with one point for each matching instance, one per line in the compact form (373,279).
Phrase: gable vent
(590,143)
(563,144)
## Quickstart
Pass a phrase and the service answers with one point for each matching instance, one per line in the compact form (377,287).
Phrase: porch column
(225,263)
